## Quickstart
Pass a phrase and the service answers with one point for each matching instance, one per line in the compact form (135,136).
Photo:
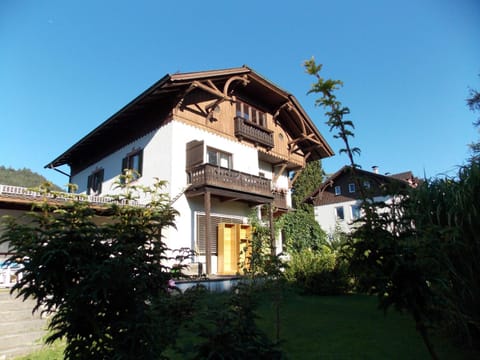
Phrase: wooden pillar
(272,231)
(208,248)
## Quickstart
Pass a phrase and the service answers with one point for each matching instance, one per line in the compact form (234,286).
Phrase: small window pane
(339,213)
(212,157)
(338,190)
(351,187)
(224,160)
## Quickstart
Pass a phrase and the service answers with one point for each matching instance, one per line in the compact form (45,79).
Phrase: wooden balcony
(248,130)
(230,180)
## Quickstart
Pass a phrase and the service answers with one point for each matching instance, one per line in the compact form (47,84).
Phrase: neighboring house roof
(153,108)
(325,194)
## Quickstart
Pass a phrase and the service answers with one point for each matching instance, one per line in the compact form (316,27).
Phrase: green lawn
(349,327)
(340,327)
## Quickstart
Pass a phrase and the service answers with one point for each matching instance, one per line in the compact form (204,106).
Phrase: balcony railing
(211,175)
(250,131)
(18,192)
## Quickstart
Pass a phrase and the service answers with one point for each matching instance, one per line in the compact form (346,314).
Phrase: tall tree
(473,103)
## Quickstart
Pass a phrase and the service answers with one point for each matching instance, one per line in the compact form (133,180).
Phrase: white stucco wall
(164,157)
(326,216)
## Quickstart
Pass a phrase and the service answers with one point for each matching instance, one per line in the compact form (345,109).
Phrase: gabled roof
(321,195)
(151,108)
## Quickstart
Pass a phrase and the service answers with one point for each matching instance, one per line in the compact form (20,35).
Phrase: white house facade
(227,143)
(337,202)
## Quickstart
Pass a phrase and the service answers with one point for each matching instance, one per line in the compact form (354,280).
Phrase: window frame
(338,216)
(338,190)
(351,188)
(352,212)
(128,163)
(218,155)
(95,181)
(250,113)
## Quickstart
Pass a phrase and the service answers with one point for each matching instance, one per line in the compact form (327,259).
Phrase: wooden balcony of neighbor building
(253,187)
(248,130)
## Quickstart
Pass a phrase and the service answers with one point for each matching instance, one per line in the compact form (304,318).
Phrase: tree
(473,103)
(22,177)
(105,284)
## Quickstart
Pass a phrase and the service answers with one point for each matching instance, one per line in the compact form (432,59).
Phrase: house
(226,141)
(337,202)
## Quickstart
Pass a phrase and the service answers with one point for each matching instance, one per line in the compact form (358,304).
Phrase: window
(134,163)
(251,114)
(219,158)
(94,183)
(338,190)
(339,213)
(355,212)
(351,187)
(366,184)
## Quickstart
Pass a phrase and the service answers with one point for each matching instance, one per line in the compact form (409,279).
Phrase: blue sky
(407,66)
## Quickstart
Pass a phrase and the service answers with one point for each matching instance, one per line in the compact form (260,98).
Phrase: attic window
(338,190)
(250,113)
(351,187)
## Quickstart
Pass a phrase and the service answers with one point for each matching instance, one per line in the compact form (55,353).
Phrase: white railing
(8,275)
(22,192)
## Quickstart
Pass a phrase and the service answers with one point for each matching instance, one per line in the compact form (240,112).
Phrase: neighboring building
(337,202)
(226,142)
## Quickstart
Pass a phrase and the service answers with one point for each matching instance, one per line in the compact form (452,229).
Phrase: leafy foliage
(301,231)
(307,182)
(22,177)
(227,330)
(319,272)
(106,282)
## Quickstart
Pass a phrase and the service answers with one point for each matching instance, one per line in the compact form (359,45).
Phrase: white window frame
(338,190)
(351,187)
(337,215)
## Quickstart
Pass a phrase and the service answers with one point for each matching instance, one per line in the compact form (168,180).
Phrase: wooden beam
(280,172)
(208,251)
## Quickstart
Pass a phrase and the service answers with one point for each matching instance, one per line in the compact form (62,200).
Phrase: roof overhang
(152,108)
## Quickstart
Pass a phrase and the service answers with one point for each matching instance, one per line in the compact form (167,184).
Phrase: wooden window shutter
(89,184)
(100,180)
(215,221)
(140,162)
(194,154)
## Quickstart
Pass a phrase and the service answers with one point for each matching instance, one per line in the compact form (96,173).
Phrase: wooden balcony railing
(250,131)
(211,175)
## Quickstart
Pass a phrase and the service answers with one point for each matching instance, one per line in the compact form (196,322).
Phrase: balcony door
(234,248)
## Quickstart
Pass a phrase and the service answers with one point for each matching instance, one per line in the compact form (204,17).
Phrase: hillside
(22,177)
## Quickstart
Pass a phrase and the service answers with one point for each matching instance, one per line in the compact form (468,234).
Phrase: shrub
(320,272)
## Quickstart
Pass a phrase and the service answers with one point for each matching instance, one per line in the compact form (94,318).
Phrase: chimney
(375,169)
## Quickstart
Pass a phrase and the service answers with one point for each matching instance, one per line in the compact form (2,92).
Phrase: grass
(349,327)
(336,327)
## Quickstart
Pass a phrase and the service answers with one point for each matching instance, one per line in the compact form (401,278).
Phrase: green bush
(321,272)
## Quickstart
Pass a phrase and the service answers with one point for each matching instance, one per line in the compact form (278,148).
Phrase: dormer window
(249,113)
